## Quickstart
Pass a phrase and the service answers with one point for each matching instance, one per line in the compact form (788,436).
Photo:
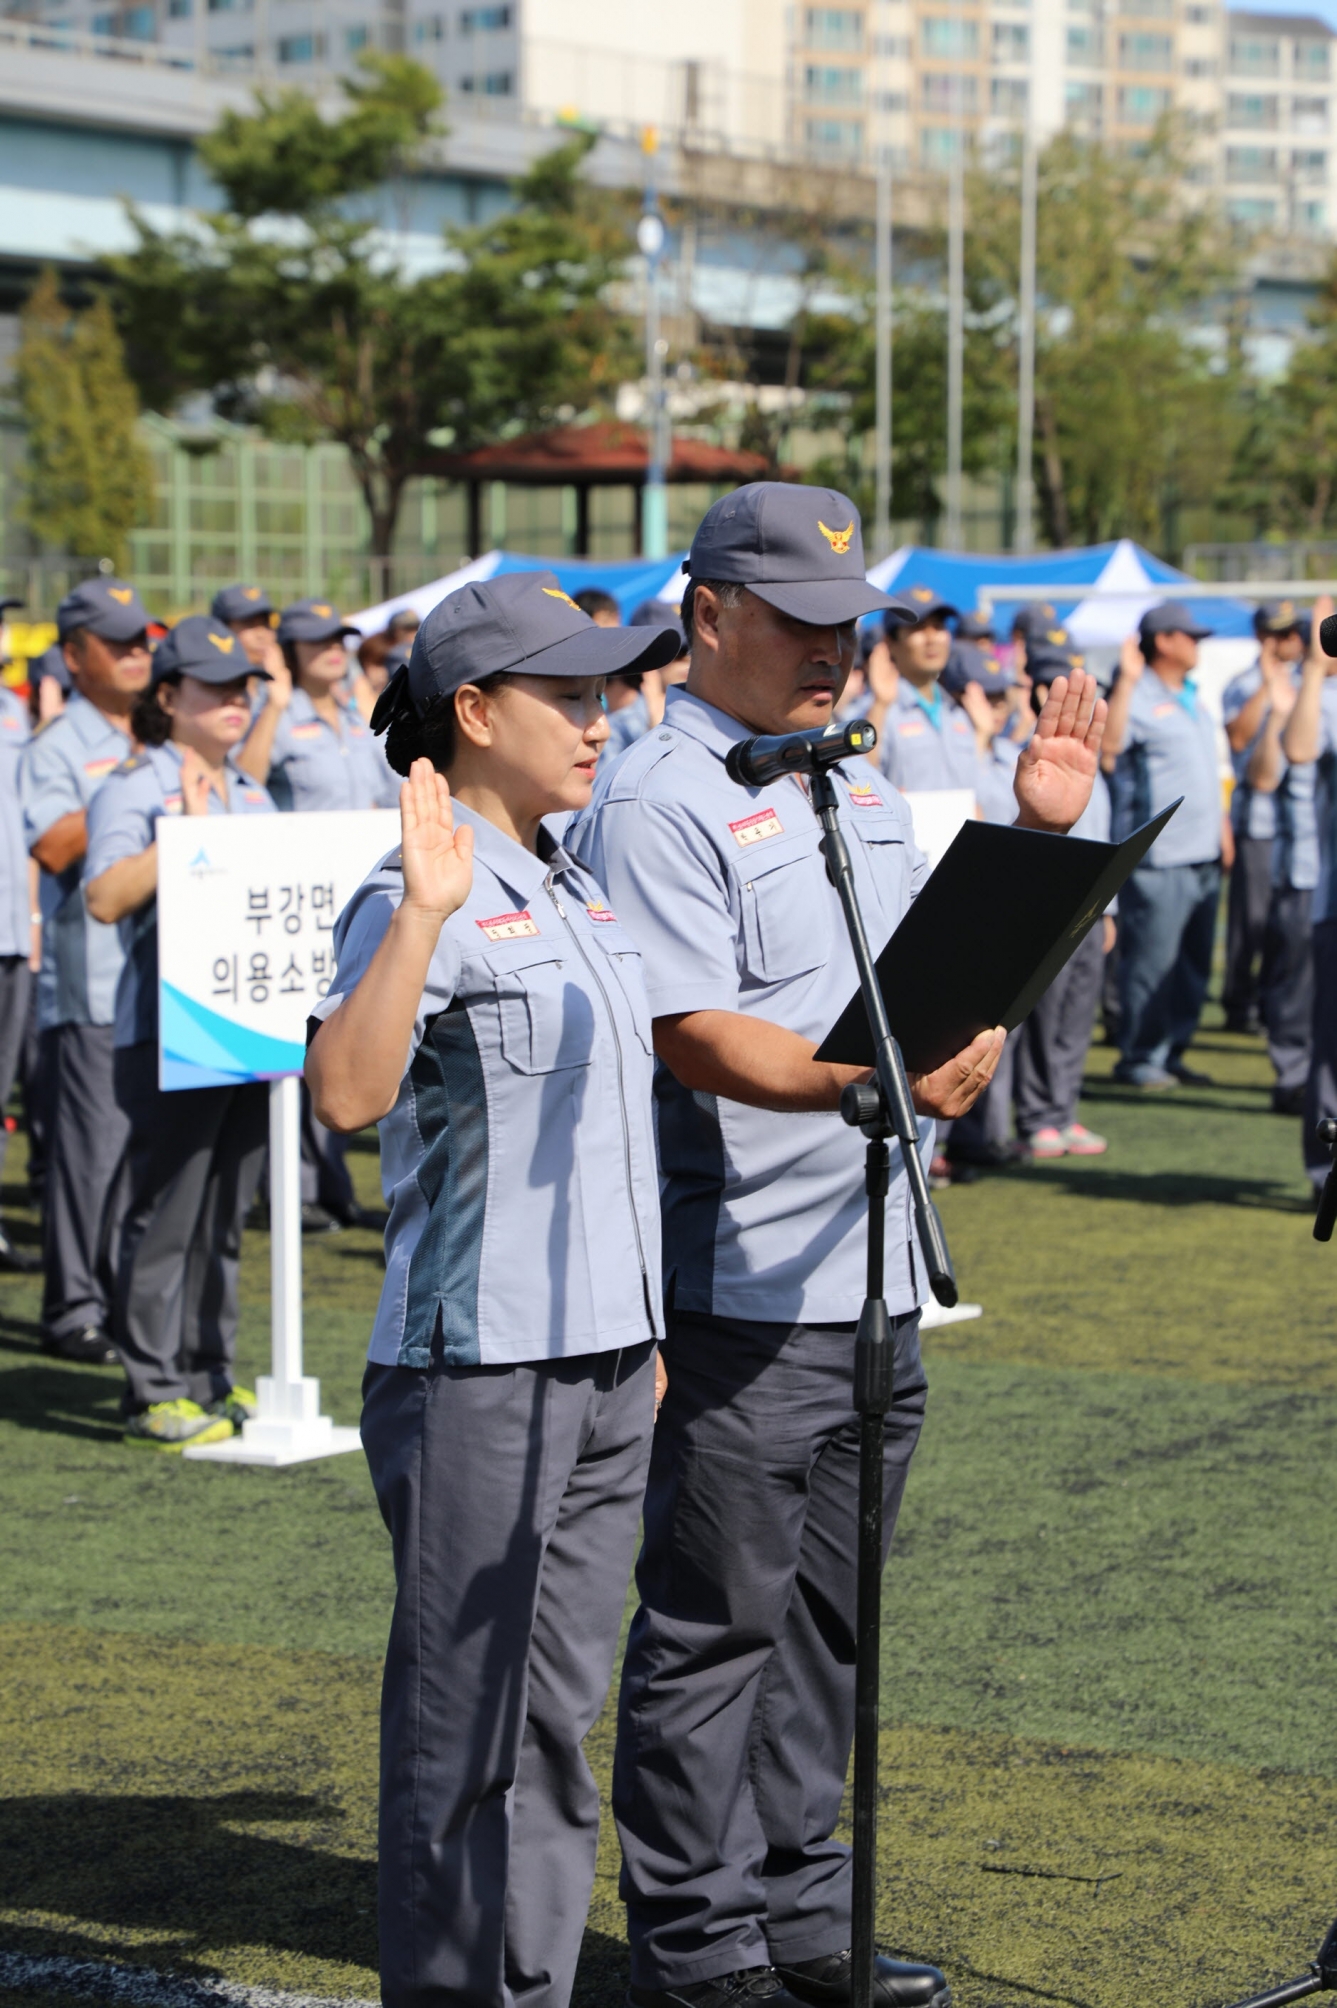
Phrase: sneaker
(315,1220)
(89,1346)
(171,1425)
(1189,1077)
(745,1989)
(239,1405)
(1142,1074)
(939,1173)
(1079,1141)
(1288,1101)
(1045,1143)
(897,1983)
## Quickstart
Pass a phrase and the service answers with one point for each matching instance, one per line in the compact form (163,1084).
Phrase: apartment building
(1279,124)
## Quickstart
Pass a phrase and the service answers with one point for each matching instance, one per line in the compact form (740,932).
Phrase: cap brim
(601,651)
(1194,633)
(822,602)
(215,672)
(118,626)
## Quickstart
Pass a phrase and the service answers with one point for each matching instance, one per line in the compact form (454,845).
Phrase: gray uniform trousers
(1051,1053)
(191,1169)
(1321,1087)
(737,1705)
(1247,905)
(1167,929)
(15,990)
(85,1145)
(1287,983)
(512,1496)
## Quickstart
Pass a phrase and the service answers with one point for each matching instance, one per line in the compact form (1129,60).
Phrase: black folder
(995,922)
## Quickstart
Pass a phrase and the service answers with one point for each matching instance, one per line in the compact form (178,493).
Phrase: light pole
(650,239)
(882,356)
(1024,535)
(956,286)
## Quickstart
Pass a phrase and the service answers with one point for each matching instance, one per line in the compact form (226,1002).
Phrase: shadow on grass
(1163,1188)
(83,1402)
(182,1869)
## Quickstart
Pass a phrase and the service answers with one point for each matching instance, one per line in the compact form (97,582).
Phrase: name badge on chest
(508,926)
(756,828)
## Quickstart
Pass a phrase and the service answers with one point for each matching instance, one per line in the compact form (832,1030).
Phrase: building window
(1083,100)
(833,28)
(1142,104)
(951,38)
(484,20)
(1160,10)
(1248,110)
(1198,17)
(356,38)
(179,9)
(1253,211)
(835,135)
(1011,42)
(1255,56)
(1008,97)
(1312,218)
(240,53)
(896,47)
(1199,66)
(939,147)
(1086,48)
(1310,165)
(1311,59)
(1146,52)
(496,84)
(429,28)
(948,93)
(1309,114)
(1251,163)
(891,101)
(301,48)
(833,83)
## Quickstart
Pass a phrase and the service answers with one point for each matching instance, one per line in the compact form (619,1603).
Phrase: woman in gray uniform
(489,1012)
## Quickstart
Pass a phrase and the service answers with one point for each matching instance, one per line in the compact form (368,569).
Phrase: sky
(1325,9)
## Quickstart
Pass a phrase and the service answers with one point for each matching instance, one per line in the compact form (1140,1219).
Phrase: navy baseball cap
(1050,659)
(975,627)
(918,604)
(1034,620)
(206,649)
(7,600)
(521,622)
(397,658)
(660,614)
(1171,617)
(240,603)
(968,663)
(798,548)
(51,662)
(313,620)
(108,608)
(1280,617)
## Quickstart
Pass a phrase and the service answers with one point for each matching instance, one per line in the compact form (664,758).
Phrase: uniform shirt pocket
(547,1017)
(624,961)
(786,915)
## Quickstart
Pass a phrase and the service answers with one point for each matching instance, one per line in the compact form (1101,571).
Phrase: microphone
(1327,635)
(755,762)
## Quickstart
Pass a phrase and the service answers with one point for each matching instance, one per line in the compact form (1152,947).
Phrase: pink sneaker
(1079,1141)
(1045,1143)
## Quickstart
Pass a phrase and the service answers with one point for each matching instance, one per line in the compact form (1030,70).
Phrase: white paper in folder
(937,814)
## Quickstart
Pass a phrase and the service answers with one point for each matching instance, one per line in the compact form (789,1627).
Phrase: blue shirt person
(103,630)
(927,741)
(723,889)
(16,926)
(489,1010)
(310,744)
(194,1156)
(1161,745)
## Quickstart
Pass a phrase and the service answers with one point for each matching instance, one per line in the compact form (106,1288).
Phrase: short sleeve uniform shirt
(518,1161)
(724,890)
(15,901)
(928,746)
(1170,750)
(122,822)
(316,765)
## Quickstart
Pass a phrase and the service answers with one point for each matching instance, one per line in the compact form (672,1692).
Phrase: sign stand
(289,1428)
(933,1314)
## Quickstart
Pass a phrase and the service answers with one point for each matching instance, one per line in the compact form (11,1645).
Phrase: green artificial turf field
(1110,1756)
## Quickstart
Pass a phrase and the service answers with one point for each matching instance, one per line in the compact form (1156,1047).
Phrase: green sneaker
(239,1405)
(171,1425)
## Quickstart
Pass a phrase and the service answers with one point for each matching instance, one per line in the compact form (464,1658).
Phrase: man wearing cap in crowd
(1245,704)
(249,612)
(1310,734)
(1160,743)
(20,926)
(103,629)
(736,1713)
(925,741)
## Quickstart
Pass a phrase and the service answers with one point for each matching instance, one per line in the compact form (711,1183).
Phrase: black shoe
(315,1220)
(89,1346)
(1288,1101)
(354,1215)
(745,1989)
(1247,1027)
(897,1983)
(1189,1077)
(18,1259)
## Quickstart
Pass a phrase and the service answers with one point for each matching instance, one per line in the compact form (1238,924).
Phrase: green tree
(87,476)
(1286,473)
(288,307)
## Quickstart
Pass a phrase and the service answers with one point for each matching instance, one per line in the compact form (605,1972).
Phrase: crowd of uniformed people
(625,1245)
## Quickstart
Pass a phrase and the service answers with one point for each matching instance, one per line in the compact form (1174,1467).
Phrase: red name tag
(910,726)
(1163,710)
(172,804)
(508,926)
(755,829)
(311,731)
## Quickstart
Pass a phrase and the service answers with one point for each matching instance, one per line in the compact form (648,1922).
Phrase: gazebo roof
(606,453)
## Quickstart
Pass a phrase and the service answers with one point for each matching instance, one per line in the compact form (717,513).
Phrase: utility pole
(882,356)
(650,238)
(956,286)
(1024,535)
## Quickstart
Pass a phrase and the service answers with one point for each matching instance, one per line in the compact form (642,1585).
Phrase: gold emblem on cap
(556,593)
(319,607)
(1058,636)
(251,593)
(223,643)
(839,540)
(122,594)
(1286,611)
(921,592)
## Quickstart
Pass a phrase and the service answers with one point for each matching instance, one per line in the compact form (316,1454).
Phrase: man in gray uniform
(103,629)
(736,1713)
(927,741)
(1244,709)
(17,930)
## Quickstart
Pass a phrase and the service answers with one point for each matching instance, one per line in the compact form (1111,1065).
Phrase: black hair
(430,735)
(729,593)
(594,600)
(150,724)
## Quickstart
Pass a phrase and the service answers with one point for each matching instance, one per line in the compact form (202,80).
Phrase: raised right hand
(1132,662)
(438,859)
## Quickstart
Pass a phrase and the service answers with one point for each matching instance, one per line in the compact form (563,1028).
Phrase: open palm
(437,858)
(1057,768)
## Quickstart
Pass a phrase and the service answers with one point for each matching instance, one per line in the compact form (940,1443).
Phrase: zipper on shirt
(550,888)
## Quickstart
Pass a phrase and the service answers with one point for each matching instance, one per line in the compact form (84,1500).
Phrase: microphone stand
(881,1108)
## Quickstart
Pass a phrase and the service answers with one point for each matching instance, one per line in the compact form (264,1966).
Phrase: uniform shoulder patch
(130,765)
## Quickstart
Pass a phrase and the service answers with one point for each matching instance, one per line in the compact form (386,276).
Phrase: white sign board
(246,913)
(937,814)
